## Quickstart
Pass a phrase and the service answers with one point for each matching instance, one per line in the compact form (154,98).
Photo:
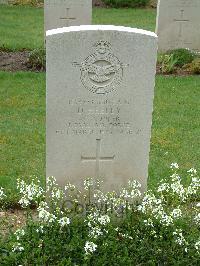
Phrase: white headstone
(64,13)
(178,24)
(100,90)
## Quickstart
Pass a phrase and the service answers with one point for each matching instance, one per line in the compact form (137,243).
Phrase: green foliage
(168,63)
(175,59)
(182,56)
(126,3)
(37,59)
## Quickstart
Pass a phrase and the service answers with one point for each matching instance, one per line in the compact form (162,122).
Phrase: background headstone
(64,13)
(178,24)
(4,1)
(100,89)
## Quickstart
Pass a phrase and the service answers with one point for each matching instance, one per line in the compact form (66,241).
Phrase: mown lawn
(22,123)
(136,18)
(22,27)
(175,131)
(176,125)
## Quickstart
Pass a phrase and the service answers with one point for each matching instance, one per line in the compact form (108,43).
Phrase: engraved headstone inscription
(64,13)
(178,24)
(99,104)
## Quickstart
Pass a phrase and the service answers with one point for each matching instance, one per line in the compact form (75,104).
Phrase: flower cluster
(17,246)
(176,189)
(30,193)
(2,194)
(154,207)
(179,238)
(47,217)
(98,226)
(161,212)
(90,247)
(197,246)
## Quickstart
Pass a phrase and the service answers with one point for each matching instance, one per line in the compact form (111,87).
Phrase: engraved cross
(98,158)
(67,18)
(181,20)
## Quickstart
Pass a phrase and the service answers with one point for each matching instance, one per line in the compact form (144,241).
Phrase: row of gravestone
(178,21)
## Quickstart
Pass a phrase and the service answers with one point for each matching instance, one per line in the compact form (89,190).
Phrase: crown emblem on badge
(101,72)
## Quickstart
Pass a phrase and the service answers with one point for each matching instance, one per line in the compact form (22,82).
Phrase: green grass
(22,123)
(21,27)
(175,131)
(136,18)
(176,124)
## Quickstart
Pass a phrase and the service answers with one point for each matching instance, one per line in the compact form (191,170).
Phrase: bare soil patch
(11,220)
(177,72)
(14,61)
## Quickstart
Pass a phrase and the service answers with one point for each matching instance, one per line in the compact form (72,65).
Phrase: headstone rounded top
(100,27)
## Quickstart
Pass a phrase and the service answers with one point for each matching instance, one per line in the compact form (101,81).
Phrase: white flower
(51,181)
(149,222)
(174,166)
(17,247)
(89,182)
(176,213)
(70,186)
(90,247)
(29,192)
(95,232)
(19,233)
(56,193)
(64,221)
(192,171)
(166,219)
(24,202)
(197,219)
(2,194)
(126,236)
(104,219)
(194,186)
(178,188)
(163,187)
(197,246)
(40,229)
(44,215)
(179,238)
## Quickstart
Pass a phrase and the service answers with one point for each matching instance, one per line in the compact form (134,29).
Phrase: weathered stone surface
(178,24)
(100,89)
(64,13)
